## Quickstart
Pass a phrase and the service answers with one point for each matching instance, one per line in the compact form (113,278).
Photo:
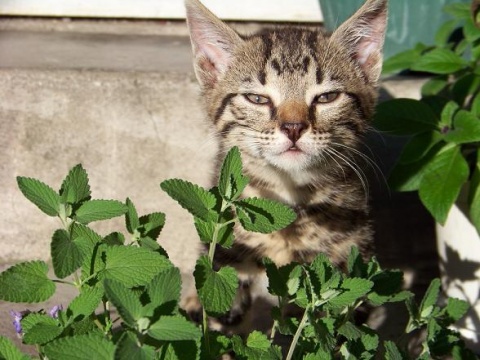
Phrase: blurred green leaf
(440,61)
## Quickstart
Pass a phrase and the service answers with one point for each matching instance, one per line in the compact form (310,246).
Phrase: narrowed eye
(326,98)
(258,99)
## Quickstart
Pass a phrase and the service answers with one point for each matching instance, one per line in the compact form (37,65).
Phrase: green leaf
(80,347)
(95,210)
(42,195)
(471,31)
(195,199)
(404,117)
(180,350)
(85,303)
(258,340)
(408,177)
(392,352)
(82,231)
(8,350)
(458,10)
(350,331)
(151,225)
(456,309)
(387,285)
(216,290)
(419,146)
(442,182)
(466,129)
(232,182)
(476,106)
(474,195)
(40,328)
(264,216)
(430,298)
(131,217)
(114,239)
(440,61)
(206,230)
(284,280)
(401,61)
(353,289)
(133,266)
(447,116)
(434,86)
(444,32)
(26,282)
(464,87)
(75,188)
(174,328)
(67,254)
(129,348)
(165,288)
(127,303)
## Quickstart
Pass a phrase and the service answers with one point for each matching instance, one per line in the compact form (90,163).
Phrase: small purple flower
(445,129)
(54,311)
(17,317)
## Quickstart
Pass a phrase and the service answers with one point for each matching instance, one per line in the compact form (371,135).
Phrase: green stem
(296,337)
(63,282)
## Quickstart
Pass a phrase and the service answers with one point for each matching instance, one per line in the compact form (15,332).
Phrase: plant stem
(300,328)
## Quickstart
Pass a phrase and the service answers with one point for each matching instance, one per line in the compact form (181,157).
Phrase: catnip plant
(127,305)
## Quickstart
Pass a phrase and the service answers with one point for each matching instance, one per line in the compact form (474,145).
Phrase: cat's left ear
(213,43)
(364,34)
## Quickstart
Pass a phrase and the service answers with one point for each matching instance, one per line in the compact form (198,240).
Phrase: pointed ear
(213,43)
(364,34)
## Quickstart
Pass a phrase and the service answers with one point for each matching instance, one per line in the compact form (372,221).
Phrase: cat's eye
(258,99)
(326,98)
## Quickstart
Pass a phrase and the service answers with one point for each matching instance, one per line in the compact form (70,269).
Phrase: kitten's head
(292,97)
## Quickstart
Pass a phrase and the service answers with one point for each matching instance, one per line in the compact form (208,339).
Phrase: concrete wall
(130,130)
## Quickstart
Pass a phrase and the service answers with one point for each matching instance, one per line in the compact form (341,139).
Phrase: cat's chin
(291,160)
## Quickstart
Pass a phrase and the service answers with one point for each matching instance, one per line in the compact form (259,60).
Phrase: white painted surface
(263,10)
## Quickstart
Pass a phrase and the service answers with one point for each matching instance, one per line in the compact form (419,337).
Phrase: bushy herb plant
(442,156)
(127,305)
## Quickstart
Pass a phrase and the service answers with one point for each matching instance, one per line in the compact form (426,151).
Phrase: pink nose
(293,130)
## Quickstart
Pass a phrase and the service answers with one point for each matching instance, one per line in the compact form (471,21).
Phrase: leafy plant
(442,155)
(127,305)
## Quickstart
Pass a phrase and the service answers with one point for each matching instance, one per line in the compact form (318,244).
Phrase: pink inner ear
(366,48)
(216,55)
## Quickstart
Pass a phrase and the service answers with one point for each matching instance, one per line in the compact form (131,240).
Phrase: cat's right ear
(213,43)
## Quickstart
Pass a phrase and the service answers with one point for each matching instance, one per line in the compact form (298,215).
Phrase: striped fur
(297,103)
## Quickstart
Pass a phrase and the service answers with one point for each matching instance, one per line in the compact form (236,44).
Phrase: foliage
(137,279)
(442,154)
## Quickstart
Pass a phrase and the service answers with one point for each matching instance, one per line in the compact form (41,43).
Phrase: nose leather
(292,117)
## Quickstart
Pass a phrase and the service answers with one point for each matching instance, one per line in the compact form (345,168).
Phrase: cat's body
(296,102)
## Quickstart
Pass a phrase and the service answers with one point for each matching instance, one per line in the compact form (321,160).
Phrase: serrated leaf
(151,225)
(114,239)
(174,328)
(85,303)
(180,350)
(127,303)
(206,231)
(195,199)
(387,284)
(216,290)
(392,352)
(133,266)
(165,288)
(8,350)
(442,181)
(80,347)
(430,298)
(129,348)
(474,195)
(42,195)
(82,231)
(466,129)
(264,216)
(26,282)
(232,182)
(404,117)
(456,309)
(439,61)
(258,340)
(75,188)
(131,217)
(40,328)
(67,254)
(350,331)
(353,289)
(95,210)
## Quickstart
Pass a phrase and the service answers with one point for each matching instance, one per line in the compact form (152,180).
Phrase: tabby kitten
(296,102)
